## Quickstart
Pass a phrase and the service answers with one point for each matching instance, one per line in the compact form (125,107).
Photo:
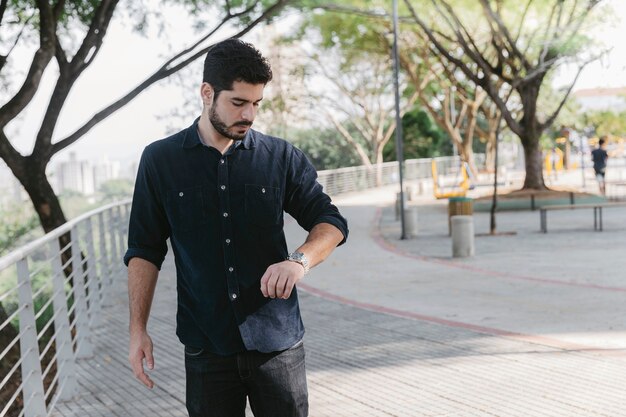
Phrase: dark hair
(234,60)
(602,140)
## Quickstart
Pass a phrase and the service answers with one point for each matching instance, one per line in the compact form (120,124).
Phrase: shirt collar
(192,138)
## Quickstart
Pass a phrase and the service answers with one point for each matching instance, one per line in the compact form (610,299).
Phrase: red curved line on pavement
(533,339)
(383,243)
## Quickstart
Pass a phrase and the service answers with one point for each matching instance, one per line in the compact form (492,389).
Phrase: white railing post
(66,363)
(84,348)
(105,270)
(94,278)
(113,264)
(32,388)
(119,230)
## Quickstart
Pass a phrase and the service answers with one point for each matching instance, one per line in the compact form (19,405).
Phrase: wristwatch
(300,258)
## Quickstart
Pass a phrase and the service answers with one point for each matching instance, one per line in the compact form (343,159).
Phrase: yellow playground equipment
(457,189)
(553,161)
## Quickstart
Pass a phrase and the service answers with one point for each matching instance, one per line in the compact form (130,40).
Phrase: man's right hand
(140,349)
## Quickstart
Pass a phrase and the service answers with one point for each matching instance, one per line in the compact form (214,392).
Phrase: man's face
(234,110)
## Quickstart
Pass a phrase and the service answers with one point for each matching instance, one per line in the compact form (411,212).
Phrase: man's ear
(206,93)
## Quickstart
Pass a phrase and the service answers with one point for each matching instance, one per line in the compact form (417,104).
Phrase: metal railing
(51,299)
(351,179)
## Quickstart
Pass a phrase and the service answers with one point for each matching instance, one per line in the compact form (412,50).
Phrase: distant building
(602,99)
(75,175)
(105,171)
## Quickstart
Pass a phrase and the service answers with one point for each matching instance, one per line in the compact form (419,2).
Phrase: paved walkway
(533,325)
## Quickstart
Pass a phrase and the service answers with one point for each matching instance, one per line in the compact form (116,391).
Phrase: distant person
(217,190)
(600,156)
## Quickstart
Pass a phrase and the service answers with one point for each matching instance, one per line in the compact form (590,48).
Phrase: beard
(222,128)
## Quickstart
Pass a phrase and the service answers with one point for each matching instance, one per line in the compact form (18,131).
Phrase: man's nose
(248,112)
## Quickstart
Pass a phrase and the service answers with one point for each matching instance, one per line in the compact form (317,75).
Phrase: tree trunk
(379,165)
(46,204)
(44,199)
(534,164)
(490,152)
(468,156)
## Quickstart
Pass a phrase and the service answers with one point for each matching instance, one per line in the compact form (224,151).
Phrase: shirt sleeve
(305,199)
(148,228)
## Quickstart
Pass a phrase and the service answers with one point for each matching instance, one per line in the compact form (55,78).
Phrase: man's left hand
(279,279)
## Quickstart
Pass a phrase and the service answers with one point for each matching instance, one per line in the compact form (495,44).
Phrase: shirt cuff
(152,256)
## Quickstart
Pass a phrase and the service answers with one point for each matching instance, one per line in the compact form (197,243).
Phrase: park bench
(597,212)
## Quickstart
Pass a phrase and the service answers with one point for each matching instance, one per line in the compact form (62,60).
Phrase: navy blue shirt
(223,215)
(599,157)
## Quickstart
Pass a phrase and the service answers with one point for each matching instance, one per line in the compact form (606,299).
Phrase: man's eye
(237,104)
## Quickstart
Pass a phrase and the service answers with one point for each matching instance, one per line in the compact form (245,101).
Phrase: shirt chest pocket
(187,208)
(263,205)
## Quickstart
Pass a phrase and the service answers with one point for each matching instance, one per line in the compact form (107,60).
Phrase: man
(217,190)
(600,156)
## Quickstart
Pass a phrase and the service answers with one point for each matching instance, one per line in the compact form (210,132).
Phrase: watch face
(297,256)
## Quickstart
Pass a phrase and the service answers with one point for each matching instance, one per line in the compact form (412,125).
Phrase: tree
(56,25)
(324,148)
(519,48)
(422,137)
(360,105)
(455,103)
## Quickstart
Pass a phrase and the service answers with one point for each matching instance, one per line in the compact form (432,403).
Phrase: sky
(127,58)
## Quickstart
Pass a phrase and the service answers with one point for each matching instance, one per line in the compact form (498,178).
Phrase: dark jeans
(275,383)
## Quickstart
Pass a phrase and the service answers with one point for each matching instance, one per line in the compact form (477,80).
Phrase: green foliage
(74,204)
(324,148)
(606,122)
(114,190)
(422,138)
(16,222)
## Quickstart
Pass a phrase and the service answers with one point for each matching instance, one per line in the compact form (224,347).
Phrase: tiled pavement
(364,363)
(369,354)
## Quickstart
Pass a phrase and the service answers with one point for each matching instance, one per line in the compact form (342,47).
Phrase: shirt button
(228,241)
(223,187)
(234,296)
(225,214)
(263,190)
(181,194)
(231,269)
(221,161)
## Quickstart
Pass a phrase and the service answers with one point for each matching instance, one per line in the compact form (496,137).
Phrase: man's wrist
(300,258)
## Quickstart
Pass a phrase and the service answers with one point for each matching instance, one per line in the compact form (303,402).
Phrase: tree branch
(47,38)
(512,47)
(547,44)
(348,137)
(4,58)
(217,27)
(554,115)
(156,76)
(522,20)
(93,38)
(70,72)
(3,8)
(484,82)
(10,155)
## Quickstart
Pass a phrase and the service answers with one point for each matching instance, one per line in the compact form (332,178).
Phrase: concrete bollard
(410,221)
(462,236)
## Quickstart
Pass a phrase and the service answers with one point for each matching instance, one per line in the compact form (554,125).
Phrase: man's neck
(210,137)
